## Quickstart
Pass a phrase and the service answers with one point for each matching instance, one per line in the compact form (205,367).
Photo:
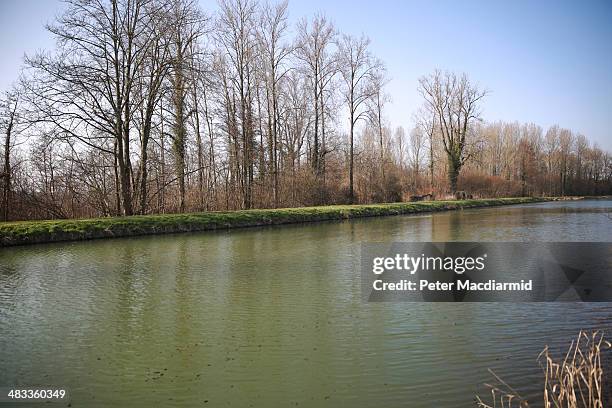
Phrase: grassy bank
(33,232)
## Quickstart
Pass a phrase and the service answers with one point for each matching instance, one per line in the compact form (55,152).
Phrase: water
(273,316)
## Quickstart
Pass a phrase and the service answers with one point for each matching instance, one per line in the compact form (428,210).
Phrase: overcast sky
(545,62)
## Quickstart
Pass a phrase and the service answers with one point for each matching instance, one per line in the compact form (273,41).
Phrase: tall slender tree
(357,67)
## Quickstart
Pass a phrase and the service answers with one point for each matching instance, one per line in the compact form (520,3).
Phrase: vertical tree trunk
(200,154)
(431,169)
(431,163)
(454,166)
(351,161)
(212,170)
(162,147)
(381,142)
(124,175)
(180,131)
(144,157)
(274,140)
(117,182)
(6,190)
(315,152)
(143,172)
(127,171)
(323,199)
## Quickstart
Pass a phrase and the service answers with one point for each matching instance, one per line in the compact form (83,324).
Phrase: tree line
(156,106)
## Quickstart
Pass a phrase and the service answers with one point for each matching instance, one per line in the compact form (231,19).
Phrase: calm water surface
(273,316)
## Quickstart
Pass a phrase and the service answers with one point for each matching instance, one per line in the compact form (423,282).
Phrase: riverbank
(36,232)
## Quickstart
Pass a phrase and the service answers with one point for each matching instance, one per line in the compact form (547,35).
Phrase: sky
(547,62)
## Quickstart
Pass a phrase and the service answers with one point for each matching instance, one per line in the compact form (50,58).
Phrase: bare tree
(425,119)
(297,120)
(155,69)
(566,140)
(314,50)
(272,30)
(357,67)
(417,145)
(88,89)
(236,36)
(187,25)
(375,111)
(455,100)
(9,106)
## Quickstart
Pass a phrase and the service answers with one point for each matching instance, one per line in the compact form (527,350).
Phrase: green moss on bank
(32,232)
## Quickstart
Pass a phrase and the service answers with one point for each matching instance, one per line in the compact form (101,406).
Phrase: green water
(273,316)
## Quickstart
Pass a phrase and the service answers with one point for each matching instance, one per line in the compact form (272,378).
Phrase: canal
(273,316)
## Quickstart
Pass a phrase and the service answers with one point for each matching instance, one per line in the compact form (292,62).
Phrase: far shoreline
(38,232)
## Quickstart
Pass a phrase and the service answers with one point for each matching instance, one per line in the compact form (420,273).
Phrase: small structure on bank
(462,195)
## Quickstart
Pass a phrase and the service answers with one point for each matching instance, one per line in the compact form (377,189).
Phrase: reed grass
(576,381)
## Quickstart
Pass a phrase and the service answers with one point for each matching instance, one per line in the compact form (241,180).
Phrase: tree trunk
(6,191)
(275,140)
(431,164)
(315,152)
(144,154)
(323,199)
(212,171)
(381,142)
(199,150)
(143,174)
(351,161)
(454,167)
(124,174)
(180,132)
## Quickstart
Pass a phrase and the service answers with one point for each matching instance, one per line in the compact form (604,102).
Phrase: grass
(33,232)
(575,381)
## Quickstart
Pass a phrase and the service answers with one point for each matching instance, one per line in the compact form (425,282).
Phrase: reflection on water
(273,316)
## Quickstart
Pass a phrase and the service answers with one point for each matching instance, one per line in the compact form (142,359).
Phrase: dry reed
(576,381)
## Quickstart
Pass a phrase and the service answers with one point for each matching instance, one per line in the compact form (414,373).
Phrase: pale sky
(544,61)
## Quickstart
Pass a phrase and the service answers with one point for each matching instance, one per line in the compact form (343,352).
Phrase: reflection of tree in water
(446,227)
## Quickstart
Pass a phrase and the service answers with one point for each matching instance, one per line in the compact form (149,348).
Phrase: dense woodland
(157,106)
